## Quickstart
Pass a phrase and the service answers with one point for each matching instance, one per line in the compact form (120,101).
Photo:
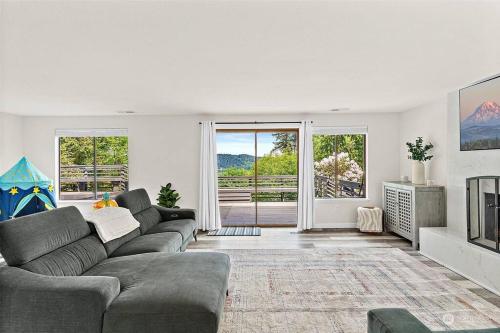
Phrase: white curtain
(306,177)
(208,213)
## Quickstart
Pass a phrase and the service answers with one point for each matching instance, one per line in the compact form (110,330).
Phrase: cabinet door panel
(391,209)
(405,212)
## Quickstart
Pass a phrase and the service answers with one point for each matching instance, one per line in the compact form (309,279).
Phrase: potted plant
(168,197)
(418,153)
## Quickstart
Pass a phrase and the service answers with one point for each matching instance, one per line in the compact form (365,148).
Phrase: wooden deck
(269,214)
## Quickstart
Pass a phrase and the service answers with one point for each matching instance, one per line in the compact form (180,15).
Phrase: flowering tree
(347,169)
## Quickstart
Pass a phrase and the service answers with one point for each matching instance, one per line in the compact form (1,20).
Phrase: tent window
(90,166)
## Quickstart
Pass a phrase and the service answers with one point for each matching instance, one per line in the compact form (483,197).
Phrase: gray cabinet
(407,207)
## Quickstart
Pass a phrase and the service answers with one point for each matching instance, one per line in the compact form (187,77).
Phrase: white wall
(429,122)
(11,140)
(166,149)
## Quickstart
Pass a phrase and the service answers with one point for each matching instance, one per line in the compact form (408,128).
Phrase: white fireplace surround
(448,246)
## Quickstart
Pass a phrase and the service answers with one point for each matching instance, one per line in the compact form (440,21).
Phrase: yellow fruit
(99,204)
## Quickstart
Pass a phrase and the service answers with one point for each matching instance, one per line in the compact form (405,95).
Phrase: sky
(244,143)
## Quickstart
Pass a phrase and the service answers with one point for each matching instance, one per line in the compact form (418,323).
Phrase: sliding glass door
(236,176)
(257,174)
(276,195)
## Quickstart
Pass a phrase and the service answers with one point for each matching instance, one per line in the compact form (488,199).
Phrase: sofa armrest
(394,321)
(32,302)
(170,214)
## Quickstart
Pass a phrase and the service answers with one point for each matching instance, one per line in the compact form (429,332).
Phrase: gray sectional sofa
(62,278)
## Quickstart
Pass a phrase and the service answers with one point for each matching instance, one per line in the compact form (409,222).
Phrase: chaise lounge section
(61,278)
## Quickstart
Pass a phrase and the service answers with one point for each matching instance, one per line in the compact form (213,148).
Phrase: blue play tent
(25,190)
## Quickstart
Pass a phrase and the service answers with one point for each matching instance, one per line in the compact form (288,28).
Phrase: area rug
(236,231)
(331,290)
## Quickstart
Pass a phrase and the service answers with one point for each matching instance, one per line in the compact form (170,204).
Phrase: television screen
(480,115)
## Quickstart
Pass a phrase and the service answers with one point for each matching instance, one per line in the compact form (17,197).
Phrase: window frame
(95,134)
(347,130)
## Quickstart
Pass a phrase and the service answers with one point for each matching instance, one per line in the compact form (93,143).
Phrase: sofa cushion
(148,218)
(29,237)
(168,242)
(136,200)
(184,227)
(166,292)
(116,243)
(70,260)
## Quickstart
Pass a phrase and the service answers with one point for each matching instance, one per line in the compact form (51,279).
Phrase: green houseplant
(418,153)
(168,197)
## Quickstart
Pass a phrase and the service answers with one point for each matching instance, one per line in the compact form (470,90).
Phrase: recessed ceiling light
(125,111)
(339,109)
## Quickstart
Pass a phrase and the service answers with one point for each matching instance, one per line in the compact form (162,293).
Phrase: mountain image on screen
(243,161)
(481,129)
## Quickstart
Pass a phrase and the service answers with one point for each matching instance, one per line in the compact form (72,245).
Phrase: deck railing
(325,187)
(288,182)
(80,176)
(267,188)
(244,188)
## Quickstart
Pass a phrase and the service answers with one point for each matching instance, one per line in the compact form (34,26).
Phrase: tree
(282,164)
(236,171)
(76,150)
(112,150)
(352,144)
(80,150)
(284,142)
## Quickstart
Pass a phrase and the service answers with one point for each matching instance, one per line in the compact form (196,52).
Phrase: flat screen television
(480,115)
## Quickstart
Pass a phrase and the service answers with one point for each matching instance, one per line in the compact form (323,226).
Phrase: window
(92,162)
(339,163)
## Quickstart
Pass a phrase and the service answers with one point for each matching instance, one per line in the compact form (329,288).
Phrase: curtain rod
(257,122)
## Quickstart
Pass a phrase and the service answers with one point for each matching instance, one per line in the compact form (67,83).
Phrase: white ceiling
(197,57)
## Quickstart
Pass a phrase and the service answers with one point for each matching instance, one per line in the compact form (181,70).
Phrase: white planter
(417,173)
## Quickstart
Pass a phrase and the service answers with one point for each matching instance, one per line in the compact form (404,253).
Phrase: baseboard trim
(335,226)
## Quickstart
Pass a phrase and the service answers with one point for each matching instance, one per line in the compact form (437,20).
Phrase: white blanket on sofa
(113,222)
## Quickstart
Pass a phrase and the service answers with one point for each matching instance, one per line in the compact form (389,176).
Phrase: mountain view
(243,161)
(481,129)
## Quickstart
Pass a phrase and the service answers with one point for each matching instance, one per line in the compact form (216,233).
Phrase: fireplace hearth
(482,211)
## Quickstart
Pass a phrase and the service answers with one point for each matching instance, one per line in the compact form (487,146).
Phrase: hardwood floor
(288,238)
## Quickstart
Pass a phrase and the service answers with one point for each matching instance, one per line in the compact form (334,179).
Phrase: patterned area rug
(236,231)
(331,290)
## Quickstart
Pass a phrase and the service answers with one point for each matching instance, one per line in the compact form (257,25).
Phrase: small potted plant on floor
(168,197)
(418,153)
